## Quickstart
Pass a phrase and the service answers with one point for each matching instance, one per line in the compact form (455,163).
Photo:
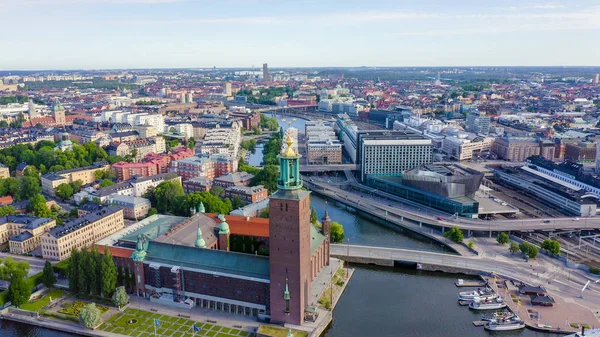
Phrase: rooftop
(75,224)
(218,261)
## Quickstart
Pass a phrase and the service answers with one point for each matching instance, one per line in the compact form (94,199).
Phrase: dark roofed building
(531,290)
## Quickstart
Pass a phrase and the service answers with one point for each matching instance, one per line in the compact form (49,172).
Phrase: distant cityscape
(193,184)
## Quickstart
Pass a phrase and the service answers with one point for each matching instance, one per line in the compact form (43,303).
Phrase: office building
(383,152)
(515,149)
(478,122)
(581,152)
(322,145)
(450,188)
(227,89)
(82,232)
(266,74)
(596,79)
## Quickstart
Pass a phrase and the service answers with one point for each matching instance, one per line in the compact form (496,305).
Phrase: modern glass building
(449,188)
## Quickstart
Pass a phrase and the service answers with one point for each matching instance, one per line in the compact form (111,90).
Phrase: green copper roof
(316,239)
(57,106)
(209,260)
(199,243)
(201,207)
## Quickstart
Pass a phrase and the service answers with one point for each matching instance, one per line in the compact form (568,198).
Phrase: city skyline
(109,34)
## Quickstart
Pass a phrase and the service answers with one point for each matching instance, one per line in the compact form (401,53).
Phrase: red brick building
(247,193)
(125,170)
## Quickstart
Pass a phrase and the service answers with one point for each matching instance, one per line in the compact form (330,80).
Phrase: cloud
(534,6)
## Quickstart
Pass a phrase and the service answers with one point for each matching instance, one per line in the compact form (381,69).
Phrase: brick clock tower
(289,242)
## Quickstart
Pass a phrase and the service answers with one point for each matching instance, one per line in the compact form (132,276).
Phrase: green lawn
(142,325)
(276,331)
(37,305)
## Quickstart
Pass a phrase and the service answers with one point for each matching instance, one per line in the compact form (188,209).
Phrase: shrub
(455,234)
(594,270)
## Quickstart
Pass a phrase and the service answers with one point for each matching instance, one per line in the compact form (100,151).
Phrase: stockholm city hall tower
(289,242)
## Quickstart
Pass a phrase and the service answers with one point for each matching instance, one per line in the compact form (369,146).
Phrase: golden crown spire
(289,151)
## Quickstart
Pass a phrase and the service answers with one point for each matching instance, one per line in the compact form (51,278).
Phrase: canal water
(378,301)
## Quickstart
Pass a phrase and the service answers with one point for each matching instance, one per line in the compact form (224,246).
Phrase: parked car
(575,219)
(440,218)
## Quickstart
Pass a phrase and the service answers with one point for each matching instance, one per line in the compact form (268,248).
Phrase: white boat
(505,325)
(586,333)
(482,298)
(479,304)
(498,316)
(465,295)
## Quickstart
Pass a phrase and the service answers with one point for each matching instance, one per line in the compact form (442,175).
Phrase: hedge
(59,316)
(594,270)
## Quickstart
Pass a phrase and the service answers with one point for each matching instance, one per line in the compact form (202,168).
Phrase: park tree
(528,249)
(37,206)
(120,297)
(552,246)
(533,252)
(82,279)
(64,191)
(48,277)
(313,216)
(237,202)
(92,271)
(455,234)
(76,185)
(19,289)
(106,183)
(10,186)
(503,238)
(514,247)
(337,232)
(218,192)
(152,211)
(264,213)
(31,171)
(73,270)
(108,273)
(7,210)
(90,316)
(267,177)
(29,187)
(10,267)
(166,193)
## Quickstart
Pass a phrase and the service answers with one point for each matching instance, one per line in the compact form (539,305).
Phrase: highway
(405,211)
(545,271)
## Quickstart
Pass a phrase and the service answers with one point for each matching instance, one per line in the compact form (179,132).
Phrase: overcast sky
(92,34)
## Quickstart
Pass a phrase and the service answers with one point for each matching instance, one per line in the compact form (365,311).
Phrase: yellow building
(85,174)
(4,172)
(23,232)
(81,232)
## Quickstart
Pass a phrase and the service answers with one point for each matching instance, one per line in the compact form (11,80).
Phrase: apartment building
(221,141)
(81,232)
(198,184)
(22,232)
(210,166)
(133,207)
(233,179)
(125,170)
(249,194)
(84,174)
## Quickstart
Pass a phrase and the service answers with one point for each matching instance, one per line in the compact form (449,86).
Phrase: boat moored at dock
(466,295)
(498,316)
(505,324)
(479,304)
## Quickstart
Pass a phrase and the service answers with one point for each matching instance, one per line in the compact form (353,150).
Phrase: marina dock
(473,284)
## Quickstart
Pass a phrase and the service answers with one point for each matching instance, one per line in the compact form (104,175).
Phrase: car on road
(440,218)
(575,219)
(546,221)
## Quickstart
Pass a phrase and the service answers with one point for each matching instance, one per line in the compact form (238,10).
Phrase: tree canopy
(48,277)
(90,316)
(337,232)
(455,234)
(552,246)
(503,238)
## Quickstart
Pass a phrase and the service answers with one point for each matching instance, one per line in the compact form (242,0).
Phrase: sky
(109,34)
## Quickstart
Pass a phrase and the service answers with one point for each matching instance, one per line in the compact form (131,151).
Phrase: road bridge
(327,168)
(545,271)
(394,212)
